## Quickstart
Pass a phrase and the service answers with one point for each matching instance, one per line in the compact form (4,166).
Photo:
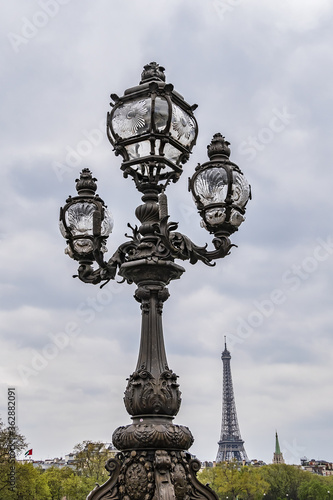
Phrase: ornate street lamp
(154,130)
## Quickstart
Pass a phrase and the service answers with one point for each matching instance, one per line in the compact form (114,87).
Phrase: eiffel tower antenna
(231,445)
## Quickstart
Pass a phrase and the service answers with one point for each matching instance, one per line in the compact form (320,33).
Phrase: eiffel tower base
(153,473)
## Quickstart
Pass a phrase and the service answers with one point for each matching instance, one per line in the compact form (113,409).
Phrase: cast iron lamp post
(154,130)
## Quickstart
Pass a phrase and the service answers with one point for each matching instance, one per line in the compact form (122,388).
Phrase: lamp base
(152,475)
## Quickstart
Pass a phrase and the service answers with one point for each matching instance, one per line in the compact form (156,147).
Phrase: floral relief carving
(146,395)
(136,481)
(152,436)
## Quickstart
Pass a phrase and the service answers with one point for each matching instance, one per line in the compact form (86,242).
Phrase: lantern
(220,190)
(153,128)
(85,221)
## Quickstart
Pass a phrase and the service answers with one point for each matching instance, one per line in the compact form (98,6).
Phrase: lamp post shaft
(152,356)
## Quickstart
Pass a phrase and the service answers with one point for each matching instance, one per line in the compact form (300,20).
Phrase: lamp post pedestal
(152,475)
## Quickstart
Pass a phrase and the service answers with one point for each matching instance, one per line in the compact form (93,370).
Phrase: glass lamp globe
(220,190)
(85,221)
(153,128)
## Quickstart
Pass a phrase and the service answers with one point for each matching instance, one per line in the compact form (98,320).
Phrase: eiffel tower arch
(231,445)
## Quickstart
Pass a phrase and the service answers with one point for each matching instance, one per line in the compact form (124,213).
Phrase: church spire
(278,457)
(277,444)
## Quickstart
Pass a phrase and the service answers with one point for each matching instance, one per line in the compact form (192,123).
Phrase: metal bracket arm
(182,247)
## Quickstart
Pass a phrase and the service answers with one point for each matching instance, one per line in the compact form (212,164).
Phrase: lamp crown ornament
(218,147)
(154,130)
(151,72)
(86,184)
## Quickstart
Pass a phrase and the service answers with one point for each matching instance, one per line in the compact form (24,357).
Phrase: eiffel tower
(231,445)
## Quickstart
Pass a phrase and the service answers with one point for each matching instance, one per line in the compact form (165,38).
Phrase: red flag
(29,452)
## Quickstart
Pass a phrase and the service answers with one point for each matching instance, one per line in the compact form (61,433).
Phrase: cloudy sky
(261,73)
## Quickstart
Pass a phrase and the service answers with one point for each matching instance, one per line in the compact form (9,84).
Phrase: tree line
(33,483)
(229,480)
(270,482)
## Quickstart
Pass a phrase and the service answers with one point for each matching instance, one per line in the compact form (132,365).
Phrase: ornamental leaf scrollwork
(146,395)
(152,436)
(182,247)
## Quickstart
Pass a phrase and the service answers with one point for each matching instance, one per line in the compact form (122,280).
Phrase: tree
(30,484)
(55,479)
(10,439)
(252,485)
(42,490)
(78,487)
(234,481)
(283,479)
(11,444)
(90,459)
(315,488)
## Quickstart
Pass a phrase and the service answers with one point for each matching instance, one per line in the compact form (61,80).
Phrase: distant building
(207,464)
(68,461)
(320,467)
(257,463)
(70,458)
(278,457)
(58,463)
(254,463)
(109,447)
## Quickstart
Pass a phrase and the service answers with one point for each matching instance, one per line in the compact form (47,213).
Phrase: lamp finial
(218,146)
(152,72)
(86,185)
